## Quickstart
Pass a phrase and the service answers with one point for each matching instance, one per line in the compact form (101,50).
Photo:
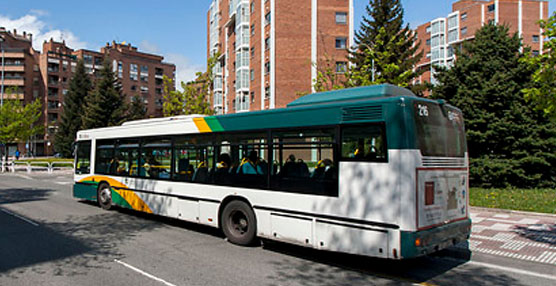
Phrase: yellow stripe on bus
(201,125)
(129,196)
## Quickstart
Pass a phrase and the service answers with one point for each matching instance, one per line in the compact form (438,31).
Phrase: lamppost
(2,85)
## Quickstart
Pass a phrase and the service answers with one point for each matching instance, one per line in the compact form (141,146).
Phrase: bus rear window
(439,129)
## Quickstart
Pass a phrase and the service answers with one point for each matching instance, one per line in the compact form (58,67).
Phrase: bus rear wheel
(104,196)
(239,223)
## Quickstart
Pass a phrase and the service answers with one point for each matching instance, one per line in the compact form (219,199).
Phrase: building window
(267,18)
(252,51)
(252,75)
(341,67)
(341,18)
(133,87)
(252,7)
(88,59)
(133,76)
(491,8)
(144,69)
(133,67)
(98,61)
(535,38)
(428,42)
(267,68)
(341,43)
(464,16)
(464,31)
(144,78)
(428,29)
(253,30)
(267,43)
(267,92)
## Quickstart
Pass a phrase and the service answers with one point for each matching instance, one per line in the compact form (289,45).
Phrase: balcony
(14,54)
(15,81)
(14,68)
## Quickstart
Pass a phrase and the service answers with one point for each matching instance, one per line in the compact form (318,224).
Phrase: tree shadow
(71,247)
(313,267)
(543,233)
(19,195)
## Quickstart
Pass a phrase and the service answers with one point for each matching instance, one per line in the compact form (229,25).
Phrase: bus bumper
(434,239)
(86,191)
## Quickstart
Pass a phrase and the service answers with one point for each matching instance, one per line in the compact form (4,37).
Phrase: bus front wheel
(104,196)
(239,223)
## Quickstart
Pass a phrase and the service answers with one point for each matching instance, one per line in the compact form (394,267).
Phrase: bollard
(28,168)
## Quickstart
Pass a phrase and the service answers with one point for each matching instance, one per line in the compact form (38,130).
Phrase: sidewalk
(518,235)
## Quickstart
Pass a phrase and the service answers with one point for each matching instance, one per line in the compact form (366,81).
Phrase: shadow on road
(19,195)
(311,269)
(72,246)
(543,233)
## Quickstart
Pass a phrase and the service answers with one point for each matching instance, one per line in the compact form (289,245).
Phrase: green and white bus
(372,171)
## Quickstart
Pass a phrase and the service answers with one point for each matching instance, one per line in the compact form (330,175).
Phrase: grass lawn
(535,200)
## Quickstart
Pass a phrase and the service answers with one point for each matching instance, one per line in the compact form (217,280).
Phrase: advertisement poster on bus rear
(441,196)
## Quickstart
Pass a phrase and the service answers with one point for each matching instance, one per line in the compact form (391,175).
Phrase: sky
(175,29)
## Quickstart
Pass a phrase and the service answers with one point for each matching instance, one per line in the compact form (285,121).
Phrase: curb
(493,210)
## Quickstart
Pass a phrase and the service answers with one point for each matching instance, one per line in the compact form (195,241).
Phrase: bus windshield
(440,130)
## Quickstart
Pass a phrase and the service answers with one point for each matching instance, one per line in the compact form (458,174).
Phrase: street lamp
(2,85)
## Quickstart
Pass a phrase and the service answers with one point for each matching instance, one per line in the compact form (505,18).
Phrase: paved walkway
(518,235)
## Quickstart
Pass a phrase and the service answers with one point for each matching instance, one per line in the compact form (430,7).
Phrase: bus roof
(352,94)
(324,108)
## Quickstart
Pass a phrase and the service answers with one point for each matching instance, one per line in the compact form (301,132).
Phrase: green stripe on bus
(118,200)
(214,124)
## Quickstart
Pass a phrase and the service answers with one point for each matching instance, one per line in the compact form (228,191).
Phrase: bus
(373,171)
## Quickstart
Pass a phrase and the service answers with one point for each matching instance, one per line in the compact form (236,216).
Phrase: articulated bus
(372,171)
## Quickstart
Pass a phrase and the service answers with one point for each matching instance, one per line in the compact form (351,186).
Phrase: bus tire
(239,223)
(104,196)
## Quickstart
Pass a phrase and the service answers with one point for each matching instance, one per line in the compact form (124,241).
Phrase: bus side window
(83,162)
(104,157)
(304,162)
(364,143)
(156,159)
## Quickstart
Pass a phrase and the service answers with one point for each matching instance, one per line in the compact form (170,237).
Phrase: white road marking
(514,270)
(64,183)
(20,217)
(25,177)
(143,273)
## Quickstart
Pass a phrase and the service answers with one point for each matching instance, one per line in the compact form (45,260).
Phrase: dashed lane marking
(20,217)
(144,273)
(513,270)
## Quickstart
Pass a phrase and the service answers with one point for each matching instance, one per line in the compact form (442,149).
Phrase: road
(49,238)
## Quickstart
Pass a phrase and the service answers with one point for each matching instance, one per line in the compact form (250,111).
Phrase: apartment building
(440,36)
(47,76)
(270,51)
(20,69)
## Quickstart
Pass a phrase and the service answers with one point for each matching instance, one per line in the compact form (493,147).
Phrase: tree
(71,121)
(386,51)
(509,143)
(105,105)
(543,92)
(17,120)
(136,109)
(174,100)
(195,95)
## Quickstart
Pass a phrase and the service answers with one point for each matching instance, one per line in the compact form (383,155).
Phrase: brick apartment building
(270,50)
(440,36)
(47,76)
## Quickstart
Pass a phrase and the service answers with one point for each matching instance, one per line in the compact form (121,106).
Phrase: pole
(2,85)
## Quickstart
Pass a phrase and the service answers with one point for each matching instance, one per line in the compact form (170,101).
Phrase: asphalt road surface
(49,238)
